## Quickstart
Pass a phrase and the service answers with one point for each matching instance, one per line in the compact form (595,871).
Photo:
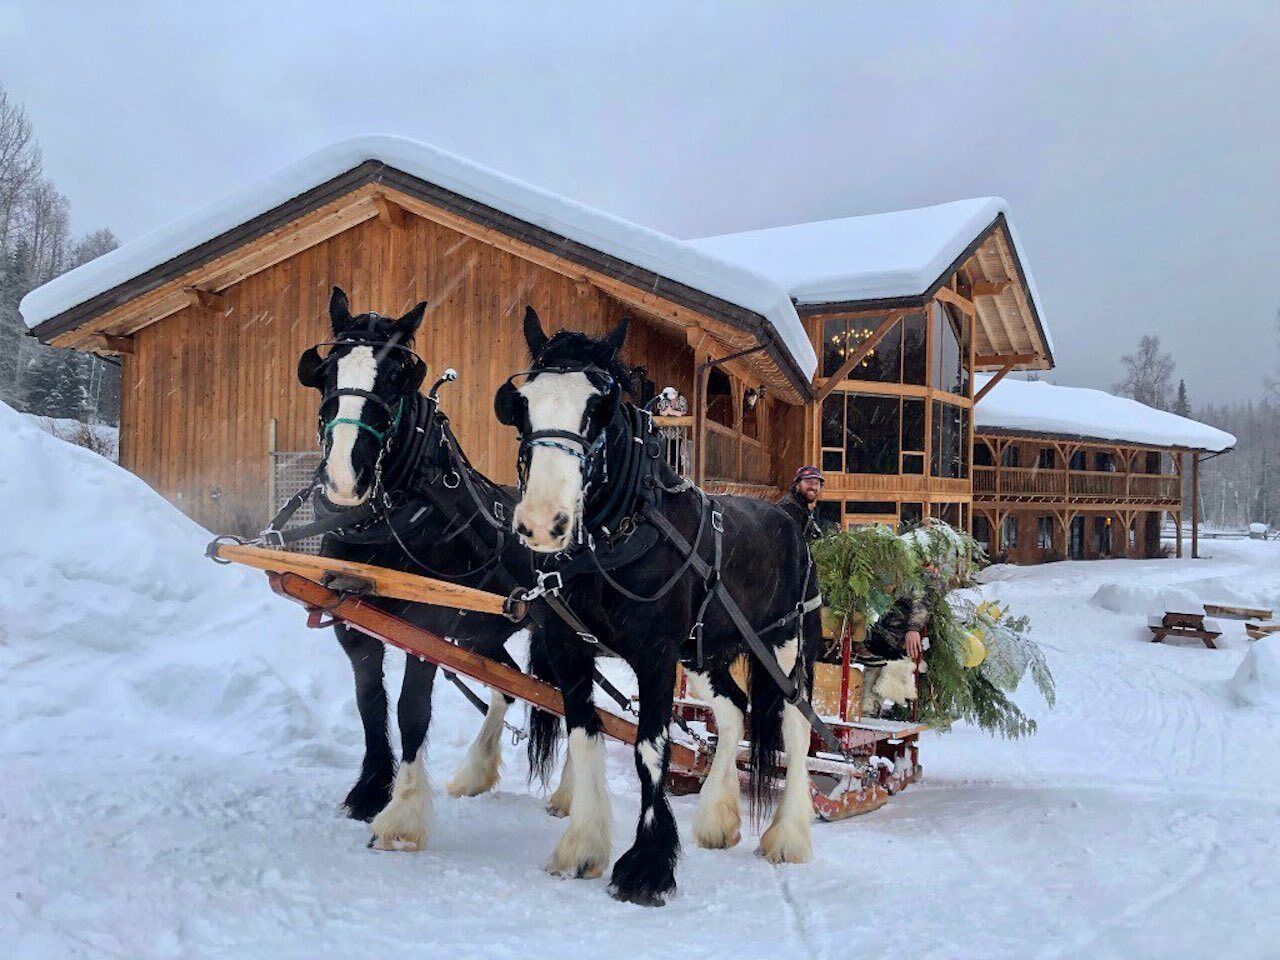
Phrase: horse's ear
(408,325)
(533,334)
(310,369)
(339,310)
(616,337)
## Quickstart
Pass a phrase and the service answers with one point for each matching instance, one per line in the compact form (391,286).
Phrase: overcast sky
(1139,145)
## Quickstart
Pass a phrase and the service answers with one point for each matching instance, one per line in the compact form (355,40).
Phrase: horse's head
(365,381)
(562,406)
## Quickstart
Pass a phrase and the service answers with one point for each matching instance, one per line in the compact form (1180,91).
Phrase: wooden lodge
(1065,473)
(855,344)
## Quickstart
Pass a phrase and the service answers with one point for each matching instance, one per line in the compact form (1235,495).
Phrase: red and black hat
(808,473)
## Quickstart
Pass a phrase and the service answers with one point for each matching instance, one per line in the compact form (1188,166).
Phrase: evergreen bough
(863,571)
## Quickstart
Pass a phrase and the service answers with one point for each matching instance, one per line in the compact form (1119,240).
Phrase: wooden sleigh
(883,754)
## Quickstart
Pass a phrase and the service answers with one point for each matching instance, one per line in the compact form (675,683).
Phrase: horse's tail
(766,739)
(544,727)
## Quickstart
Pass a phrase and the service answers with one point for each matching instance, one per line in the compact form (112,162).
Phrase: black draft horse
(588,511)
(391,463)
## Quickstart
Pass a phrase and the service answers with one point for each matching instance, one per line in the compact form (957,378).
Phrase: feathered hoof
(579,856)
(642,880)
(471,781)
(719,828)
(368,797)
(558,803)
(785,843)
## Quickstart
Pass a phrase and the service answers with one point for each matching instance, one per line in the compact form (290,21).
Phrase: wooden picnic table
(1178,623)
(1237,612)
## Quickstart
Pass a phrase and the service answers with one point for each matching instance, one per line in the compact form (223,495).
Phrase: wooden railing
(730,456)
(1041,484)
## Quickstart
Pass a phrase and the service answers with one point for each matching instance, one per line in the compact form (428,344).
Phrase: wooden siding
(202,387)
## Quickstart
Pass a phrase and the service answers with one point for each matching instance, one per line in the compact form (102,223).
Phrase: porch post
(1195,505)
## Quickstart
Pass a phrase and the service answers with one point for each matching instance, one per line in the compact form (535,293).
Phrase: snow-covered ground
(173,745)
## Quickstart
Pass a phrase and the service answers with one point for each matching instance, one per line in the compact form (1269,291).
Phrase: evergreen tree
(56,384)
(1181,406)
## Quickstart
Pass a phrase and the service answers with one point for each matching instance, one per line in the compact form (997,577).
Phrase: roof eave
(376,171)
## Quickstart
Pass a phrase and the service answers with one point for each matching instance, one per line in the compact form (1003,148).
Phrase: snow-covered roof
(883,255)
(630,242)
(1034,406)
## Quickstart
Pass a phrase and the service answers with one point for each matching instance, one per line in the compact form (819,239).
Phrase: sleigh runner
(881,757)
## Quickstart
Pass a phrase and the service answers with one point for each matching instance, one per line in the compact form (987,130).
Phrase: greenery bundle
(863,571)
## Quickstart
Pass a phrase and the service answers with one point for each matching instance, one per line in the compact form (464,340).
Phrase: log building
(853,343)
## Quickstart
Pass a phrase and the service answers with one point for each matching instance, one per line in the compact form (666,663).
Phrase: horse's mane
(571,348)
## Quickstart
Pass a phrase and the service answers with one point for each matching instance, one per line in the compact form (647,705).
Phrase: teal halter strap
(379,435)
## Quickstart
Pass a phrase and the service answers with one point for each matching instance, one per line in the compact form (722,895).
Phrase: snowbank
(1123,597)
(1256,683)
(1045,408)
(107,582)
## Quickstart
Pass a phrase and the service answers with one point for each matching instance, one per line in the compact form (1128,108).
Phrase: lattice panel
(291,472)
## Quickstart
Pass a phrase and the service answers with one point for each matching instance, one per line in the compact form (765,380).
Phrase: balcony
(1046,485)
(731,457)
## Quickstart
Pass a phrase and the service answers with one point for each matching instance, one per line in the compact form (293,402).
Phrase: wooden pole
(1195,505)
(1178,468)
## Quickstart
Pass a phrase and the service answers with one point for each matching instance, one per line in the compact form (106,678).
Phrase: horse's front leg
(645,874)
(717,823)
(403,823)
(483,765)
(584,848)
(372,790)
(788,838)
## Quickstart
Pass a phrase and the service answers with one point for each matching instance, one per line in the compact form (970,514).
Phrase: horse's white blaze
(556,401)
(718,818)
(481,769)
(356,370)
(403,823)
(583,850)
(788,838)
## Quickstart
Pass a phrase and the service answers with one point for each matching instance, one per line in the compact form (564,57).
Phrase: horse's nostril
(523,530)
(560,524)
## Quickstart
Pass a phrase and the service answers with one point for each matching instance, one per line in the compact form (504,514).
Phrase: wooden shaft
(386,583)
(423,643)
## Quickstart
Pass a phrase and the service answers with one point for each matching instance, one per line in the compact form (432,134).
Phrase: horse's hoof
(719,829)
(394,844)
(642,882)
(364,802)
(556,810)
(782,844)
(468,784)
(581,853)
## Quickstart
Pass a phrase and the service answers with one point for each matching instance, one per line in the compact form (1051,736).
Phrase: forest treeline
(36,245)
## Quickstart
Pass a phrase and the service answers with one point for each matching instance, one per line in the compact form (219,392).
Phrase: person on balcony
(806,487)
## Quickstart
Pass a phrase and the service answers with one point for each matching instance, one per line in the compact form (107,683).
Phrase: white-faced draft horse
(639,563)
(394,489)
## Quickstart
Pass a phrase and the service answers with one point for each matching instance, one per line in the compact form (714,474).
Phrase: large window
(863,433)
(950,366)
(950,454)
(899,356)
(1044,533)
